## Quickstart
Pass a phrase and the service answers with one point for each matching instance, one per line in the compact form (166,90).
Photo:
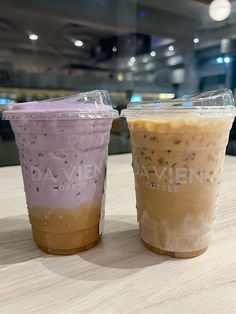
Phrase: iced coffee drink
(63,153)
(177,162)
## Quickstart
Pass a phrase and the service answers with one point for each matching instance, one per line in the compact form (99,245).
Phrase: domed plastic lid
(89,105)
(214,103)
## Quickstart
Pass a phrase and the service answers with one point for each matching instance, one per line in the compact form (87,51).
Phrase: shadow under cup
(64,170)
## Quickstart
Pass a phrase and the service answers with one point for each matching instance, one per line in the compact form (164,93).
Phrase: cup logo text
(62,179)
(172,176)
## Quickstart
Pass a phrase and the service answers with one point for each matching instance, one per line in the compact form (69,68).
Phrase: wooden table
(119,275)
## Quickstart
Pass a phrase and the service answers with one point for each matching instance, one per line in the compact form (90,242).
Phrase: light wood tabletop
(119,275)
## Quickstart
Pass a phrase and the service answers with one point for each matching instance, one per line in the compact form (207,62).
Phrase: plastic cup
(178,150)
(63,146)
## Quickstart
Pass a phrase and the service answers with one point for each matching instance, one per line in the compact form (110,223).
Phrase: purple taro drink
(63,153)
(178,150)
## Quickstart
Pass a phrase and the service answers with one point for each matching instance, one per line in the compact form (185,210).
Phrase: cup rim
(59,115)
(100,99)
(212,102)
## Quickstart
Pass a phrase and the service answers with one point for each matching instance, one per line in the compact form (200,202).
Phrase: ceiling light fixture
(120,77)
(114,49)
(171,48)
(132,59)
(196,40)
(33,37)
(227,60)
(219,10)
(219,60)
(78,43)
(166,96)
(153,53)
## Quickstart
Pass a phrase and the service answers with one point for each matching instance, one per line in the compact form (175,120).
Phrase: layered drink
(63,146)
(178,153)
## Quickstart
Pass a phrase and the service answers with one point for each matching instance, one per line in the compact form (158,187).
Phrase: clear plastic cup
(63,146)
(178,150)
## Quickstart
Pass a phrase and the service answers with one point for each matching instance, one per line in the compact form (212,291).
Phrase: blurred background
(137,50)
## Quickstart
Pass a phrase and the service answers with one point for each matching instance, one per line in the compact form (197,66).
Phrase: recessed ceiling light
(153,53)
(171,48)
(196,40)
(120,77)
(219,60)
(33,37)
(132,59)
(114,49)
(78,43)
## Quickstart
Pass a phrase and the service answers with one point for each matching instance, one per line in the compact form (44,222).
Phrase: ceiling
(134,26)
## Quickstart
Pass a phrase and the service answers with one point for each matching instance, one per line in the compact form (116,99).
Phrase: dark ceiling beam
(204,1)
